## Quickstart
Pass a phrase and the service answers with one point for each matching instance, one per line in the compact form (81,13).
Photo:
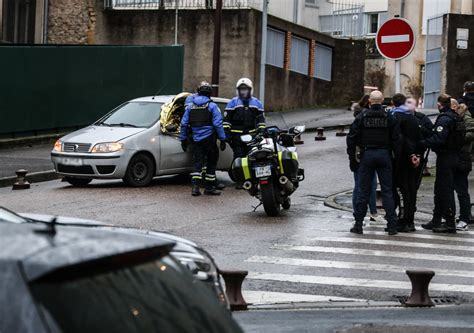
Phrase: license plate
(264,171)
(71,161)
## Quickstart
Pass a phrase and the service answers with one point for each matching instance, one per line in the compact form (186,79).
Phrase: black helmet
(204,89)
(469,86)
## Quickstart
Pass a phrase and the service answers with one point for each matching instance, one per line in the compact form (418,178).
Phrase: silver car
(135,142)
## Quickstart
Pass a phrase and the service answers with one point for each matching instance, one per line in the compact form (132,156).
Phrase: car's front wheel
(140,171)
(77,181)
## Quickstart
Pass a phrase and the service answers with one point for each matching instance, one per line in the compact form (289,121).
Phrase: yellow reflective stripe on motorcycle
(294,155)
(236,131)
(245,167)
(280,160)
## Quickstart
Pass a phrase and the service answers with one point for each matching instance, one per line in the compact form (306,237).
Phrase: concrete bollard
(420,281)
(233,288)
(340,131)
(320,134)
(21,182)
(297,140)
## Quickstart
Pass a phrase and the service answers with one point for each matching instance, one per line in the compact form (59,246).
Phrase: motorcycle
(270,172)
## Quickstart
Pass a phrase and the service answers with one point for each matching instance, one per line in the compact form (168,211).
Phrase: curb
(326,305)
(34,177)
(27,141)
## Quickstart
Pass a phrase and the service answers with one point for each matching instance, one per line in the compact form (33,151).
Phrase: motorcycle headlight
(58,146)
(107,147)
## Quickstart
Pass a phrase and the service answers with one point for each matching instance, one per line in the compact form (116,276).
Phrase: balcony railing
(182,4)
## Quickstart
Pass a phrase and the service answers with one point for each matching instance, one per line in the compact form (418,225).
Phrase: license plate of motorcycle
(264,171)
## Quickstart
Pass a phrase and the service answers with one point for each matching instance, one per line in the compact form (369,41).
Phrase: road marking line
(352,265)
(423,236)
(393,243)
(377,253)
(395,39)
(270,297)
(352,282)
(384,226)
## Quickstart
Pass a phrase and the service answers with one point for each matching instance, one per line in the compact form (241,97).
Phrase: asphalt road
(305,255)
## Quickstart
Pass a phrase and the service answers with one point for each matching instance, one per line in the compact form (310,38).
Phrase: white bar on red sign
(396,39)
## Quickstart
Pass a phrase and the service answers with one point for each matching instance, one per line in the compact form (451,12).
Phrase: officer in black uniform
(405,170)
(446,143)
(468,97)
(376,133)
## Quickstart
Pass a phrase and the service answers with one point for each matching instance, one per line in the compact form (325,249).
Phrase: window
(275,47)
(322,62)
(373,23)
(311,3)
(19,21)
(299,55)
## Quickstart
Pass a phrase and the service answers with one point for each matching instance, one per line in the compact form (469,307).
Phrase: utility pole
(176,23)
(263,54)
(216,54)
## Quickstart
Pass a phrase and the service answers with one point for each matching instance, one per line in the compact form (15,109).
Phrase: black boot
(448,227)
(435,222)
(195,191)
(402,226)
(212,191)
(357,229)
(220,186)
(411,226)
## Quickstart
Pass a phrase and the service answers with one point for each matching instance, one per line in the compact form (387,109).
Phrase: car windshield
(133,114)
(8,216)
(151,297)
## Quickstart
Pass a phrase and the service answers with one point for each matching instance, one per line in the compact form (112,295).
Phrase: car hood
(96,134)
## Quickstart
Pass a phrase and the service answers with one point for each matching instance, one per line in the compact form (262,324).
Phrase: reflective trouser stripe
(245,167)
(280,160)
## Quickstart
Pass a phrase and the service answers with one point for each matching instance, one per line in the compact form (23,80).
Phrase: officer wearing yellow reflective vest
(203,117)
(243,114)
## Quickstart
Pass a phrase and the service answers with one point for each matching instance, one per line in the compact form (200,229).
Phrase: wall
(459,65)
(68,21)
(51,87)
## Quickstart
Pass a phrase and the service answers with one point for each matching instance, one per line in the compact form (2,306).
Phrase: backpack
(457,132)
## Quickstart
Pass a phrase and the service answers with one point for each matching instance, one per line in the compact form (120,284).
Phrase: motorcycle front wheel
(269,200)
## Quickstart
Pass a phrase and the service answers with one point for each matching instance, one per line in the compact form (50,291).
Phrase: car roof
(41,253)
(169,98)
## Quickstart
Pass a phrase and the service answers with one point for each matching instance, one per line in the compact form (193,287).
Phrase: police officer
(445,142)
(204,119)
(376,133)
(244,114)
(405,170)
(468,97)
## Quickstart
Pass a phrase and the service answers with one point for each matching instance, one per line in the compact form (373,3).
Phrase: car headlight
(58,146)
(107,147)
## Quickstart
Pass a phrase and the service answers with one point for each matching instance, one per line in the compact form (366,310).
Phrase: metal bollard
(297,140)
(340,131)
(233,288)
(420,281)
(320,134)
(21,182)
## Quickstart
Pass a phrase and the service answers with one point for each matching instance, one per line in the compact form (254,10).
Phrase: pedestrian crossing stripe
(352,265)
(377,253)
(270,297)
(356,282)
(454,238)
(470,232)
(393,243)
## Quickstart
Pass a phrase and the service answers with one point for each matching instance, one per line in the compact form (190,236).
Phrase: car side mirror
(171,128)
(246,138)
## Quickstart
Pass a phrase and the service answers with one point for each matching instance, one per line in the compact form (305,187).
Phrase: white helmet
(244,81)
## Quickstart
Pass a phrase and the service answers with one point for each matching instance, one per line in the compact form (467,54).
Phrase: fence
(182,4)
(45,88)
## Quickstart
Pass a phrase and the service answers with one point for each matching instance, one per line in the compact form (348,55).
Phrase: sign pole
(397,76)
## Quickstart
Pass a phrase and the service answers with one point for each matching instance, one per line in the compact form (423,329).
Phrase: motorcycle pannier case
(288,163)
(241,169)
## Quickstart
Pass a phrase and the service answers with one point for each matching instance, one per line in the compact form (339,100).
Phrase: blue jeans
(380,161)
(373,194)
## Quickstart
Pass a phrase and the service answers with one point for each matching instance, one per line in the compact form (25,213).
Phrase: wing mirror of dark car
(171,128)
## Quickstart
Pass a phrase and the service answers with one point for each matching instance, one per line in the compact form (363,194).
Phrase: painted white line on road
(270,297)
(453,238)
(384,226)
(352,265)
(434,246)
(351,282)
(377,253)
(395,39)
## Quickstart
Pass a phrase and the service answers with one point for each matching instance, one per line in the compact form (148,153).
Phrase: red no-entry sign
(395,39)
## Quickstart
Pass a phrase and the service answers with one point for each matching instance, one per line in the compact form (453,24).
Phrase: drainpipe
(45,21)
(295,11)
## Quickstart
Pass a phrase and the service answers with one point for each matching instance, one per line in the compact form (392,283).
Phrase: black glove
(353,165)
(223,145)
(184,146)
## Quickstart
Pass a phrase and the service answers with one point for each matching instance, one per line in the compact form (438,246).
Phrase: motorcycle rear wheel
(269,200)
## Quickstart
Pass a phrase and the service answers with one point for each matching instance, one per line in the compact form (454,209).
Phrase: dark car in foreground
(72,278)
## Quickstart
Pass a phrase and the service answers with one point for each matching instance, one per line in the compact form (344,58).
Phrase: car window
(151,297)
(222,106)
(134,114)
